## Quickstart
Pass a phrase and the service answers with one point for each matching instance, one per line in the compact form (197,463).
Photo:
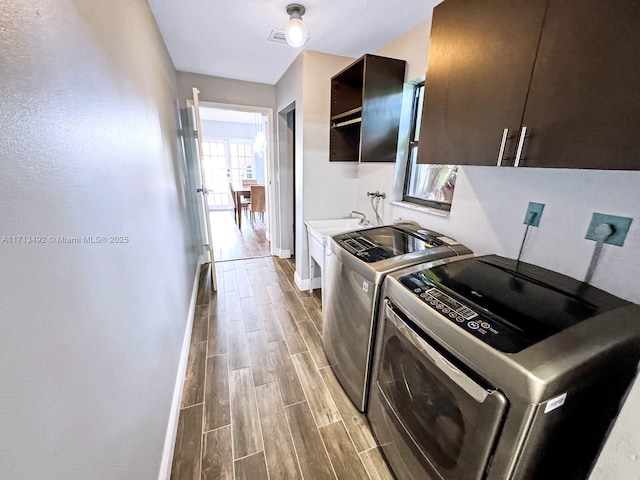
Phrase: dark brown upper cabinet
(366,98)
(533,83)
(480,58)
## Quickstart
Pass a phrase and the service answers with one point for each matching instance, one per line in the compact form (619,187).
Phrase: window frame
(413,146)
(217,197)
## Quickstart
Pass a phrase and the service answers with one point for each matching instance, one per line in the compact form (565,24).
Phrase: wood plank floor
(260,401)
(231,243)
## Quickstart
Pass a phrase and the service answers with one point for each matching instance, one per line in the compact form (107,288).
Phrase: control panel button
(445,310)
(417,290)
(467,313)
(485,325)
(473,325)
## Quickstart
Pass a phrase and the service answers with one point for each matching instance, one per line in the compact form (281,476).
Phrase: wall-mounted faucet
(361,216)
(377,194)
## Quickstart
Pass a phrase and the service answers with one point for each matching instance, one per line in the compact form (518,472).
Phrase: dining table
(239,191)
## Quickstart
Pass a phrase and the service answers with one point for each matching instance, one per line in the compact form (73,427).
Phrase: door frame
(286,165)
(272,179)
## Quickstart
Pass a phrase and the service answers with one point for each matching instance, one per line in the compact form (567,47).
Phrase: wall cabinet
(533,84)
(366,98)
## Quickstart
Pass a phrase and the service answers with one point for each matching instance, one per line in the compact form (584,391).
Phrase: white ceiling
(228,38)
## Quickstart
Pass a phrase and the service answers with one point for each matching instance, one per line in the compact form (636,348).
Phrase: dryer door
(448,420)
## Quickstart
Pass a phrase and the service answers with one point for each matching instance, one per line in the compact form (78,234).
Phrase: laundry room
(329,240)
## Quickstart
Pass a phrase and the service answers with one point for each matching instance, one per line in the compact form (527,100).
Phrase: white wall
(323,189)
(222,129)
(412,47)
(90,334)
(487,213)
(328,188)
(288,95)
(226,90)
(489,207)
(620,456)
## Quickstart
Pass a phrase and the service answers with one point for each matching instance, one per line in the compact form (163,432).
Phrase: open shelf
(346,123)
(340,116)
(366,98)
(345,143)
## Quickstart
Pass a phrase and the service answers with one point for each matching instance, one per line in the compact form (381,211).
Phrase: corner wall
(411,47)
(288,174)
(328,188)
(90,333)
(323,189)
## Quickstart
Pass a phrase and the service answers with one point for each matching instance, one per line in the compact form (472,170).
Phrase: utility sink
(317,233)
(326,228)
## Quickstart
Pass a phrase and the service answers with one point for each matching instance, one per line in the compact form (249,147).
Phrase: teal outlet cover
(620,228)
(536,209)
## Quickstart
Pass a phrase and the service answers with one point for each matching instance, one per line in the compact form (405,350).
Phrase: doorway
(286,166)
(236,152)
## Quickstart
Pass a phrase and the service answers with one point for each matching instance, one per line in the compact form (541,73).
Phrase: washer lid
(376,244)
(529,303)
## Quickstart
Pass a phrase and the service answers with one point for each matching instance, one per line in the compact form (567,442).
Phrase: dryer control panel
(481,325)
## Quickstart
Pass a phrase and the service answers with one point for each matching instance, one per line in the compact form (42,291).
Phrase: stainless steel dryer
(355,266)
(487,369)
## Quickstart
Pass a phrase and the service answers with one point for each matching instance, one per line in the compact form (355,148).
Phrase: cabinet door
(382,105)
(583,109)
(480,61)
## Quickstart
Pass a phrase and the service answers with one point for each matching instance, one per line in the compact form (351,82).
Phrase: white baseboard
(174,414)
(300,283)
(286,253)
(305,284)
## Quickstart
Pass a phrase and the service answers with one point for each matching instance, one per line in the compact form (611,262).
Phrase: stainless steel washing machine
(489,369)
(355,266)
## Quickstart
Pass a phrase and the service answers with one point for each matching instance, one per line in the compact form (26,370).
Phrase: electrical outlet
(534,213)
(620,228)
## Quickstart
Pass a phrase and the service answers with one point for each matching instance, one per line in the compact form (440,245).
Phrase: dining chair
(257,202)
(244,202)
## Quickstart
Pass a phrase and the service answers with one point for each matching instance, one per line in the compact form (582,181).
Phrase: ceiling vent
(277,36)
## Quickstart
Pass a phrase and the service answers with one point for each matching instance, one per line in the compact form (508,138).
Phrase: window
(427,185)
(225,160)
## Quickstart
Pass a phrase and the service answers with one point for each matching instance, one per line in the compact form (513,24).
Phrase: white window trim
(402,158)
(421,208)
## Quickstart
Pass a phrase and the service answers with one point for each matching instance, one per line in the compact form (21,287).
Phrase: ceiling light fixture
(296,31)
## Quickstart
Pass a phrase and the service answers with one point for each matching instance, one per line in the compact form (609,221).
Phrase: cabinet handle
(523,135)
(503,144)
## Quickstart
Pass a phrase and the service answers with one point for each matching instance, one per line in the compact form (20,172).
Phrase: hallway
(259,400)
